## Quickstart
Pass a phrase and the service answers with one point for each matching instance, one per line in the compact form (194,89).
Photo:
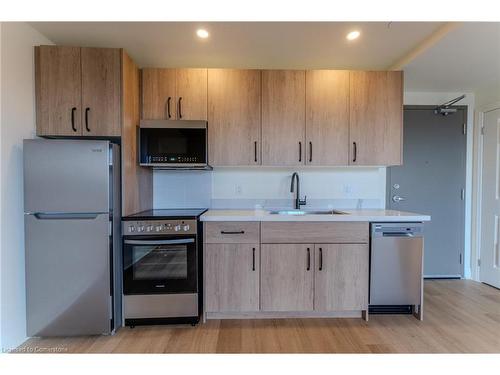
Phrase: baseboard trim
(284,314)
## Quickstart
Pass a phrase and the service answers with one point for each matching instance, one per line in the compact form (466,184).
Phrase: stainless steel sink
(302,212)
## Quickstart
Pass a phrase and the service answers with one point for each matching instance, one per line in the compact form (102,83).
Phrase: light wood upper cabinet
(283,117)
(78,91)
(327,117)
(58,91)
(191,90)
(376,118)
(341,277)
(158,94)
(232,277)
(174,94)
(234,117)
(101,98)
(287,277)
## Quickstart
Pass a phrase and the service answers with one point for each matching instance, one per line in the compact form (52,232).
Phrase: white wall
(436,98)
(17,123)
(346,187)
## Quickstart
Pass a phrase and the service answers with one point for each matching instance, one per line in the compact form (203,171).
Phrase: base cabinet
(232,277)
(287,277)
(329,278)
(341,277)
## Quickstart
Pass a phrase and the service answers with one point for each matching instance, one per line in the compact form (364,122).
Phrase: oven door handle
(159,242)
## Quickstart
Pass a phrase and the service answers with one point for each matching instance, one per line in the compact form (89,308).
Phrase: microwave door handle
(159,242)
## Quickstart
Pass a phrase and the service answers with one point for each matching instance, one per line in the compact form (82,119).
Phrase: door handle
(308,259)
(397,199)
(355,152)
(168,107)
(87,119)
(300,151)
(310,152)
(232,232)
(253,259)
(180,107)
(320,259)
(255,151)
(73,119)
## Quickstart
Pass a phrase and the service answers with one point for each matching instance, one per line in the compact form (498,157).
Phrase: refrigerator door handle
(67,216)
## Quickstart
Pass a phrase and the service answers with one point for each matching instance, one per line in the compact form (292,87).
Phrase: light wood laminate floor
(459,317)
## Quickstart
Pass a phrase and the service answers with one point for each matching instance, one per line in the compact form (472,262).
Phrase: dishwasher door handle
(398,235)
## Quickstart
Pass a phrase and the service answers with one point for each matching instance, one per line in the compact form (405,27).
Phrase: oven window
(157,262)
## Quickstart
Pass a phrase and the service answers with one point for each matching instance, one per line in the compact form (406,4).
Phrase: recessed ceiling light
(353,35)
(202,33)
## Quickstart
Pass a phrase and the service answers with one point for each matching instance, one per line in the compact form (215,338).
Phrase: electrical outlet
(238,189)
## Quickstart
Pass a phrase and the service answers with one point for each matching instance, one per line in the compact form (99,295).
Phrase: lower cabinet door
(287,277)
(231,277)
(341,277)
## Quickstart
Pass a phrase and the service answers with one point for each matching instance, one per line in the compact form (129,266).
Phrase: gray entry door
(432,181)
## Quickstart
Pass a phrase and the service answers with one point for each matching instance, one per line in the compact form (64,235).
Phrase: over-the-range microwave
(171,144)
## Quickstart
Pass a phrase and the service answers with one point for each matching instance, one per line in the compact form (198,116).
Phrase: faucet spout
(297,201)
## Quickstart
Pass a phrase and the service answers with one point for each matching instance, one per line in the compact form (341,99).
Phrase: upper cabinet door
(58,91)
(158,94)
(376,118)
(283,117)
(327,117)
(234,117)
(101,97)
(191,99)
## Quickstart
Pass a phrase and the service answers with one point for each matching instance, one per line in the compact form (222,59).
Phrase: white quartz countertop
(350,215)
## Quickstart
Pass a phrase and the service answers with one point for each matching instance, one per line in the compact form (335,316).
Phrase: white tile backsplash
(182,189)
(343,187)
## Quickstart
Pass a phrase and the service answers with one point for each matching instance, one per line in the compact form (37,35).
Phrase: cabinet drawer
(232,232)
(315,232)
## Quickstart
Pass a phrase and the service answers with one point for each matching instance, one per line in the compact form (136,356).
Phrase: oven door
(157,265)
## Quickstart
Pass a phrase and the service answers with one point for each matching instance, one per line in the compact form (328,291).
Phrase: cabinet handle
(237,232)
(308,259)
(87,119)
(320,259)
(168,107)
(73,119)
(310,152)
(180,107)
(255,151)
(253,259)
(300,151)
(355,152)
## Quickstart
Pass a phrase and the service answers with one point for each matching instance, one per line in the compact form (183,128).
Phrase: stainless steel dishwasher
(396,259)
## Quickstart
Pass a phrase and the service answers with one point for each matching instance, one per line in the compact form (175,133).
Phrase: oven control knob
(141,228)
(186,228)
(149,228)
(177,228)
(131,228)
(158,228)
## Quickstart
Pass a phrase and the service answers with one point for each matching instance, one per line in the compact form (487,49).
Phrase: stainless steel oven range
(162,254)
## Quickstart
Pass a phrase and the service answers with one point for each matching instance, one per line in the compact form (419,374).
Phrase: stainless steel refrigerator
(72,237)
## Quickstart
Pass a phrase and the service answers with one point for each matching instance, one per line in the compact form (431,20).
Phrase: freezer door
(67,275)
(66,176)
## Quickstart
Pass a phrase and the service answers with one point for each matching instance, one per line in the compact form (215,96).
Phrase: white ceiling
(251,44)
(466,59)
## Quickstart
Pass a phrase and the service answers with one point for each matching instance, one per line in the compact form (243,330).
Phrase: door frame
(467,220)
(478,188)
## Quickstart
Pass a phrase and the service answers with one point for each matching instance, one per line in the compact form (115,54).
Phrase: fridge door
(66,176)
(67,274)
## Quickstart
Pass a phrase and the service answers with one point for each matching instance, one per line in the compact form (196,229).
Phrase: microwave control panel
(172,159)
